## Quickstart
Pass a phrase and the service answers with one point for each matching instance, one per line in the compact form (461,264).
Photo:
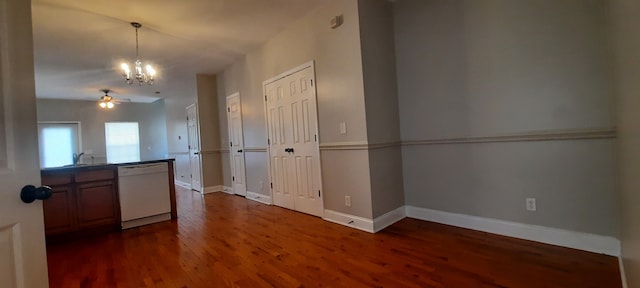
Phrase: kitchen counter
(86,200)
(100,165)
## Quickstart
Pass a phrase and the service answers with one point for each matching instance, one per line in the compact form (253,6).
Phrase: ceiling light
(106,101)
(142,76)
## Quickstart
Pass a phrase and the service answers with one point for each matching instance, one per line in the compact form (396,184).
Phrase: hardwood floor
(221,240)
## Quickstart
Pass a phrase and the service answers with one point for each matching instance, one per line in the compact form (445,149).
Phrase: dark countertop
(83,166)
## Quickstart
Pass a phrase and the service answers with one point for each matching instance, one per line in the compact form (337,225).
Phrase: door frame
(231,162)
(310,64)
(197,121)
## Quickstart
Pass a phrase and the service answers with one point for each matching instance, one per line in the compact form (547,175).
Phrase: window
(57,143)
(122,141)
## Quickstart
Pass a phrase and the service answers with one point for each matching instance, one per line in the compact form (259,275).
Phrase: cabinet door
(97,204)
(58,211)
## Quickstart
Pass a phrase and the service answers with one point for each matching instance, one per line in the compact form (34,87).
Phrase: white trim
(623,275)
(357,222)
(212,189)
(145,221)
(347,145)
(551,135)
(228,190)
(572,239)
(389,218)
(255,149)
(290,72)
(265,199)
(357,145)
(183,184)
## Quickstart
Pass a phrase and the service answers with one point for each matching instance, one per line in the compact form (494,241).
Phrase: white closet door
(280,140)
(294,151)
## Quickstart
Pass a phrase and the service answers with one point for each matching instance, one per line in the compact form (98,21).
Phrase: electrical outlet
(347,201)
(531,204)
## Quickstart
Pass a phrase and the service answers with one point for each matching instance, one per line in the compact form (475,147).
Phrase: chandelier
(138,74)
(106,101)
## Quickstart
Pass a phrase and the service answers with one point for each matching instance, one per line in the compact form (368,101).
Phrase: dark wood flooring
(222,240)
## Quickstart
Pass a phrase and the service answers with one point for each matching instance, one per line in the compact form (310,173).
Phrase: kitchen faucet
(76,158)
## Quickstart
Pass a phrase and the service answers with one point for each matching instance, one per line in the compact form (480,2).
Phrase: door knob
(291,150)
(239,151)
(286,150)
(30,193)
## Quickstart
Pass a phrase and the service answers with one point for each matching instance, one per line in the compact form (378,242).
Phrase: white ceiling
(79,44)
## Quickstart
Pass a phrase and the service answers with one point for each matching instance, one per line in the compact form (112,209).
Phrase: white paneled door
(236,143)
(294,156)
(23,261)
(195,160)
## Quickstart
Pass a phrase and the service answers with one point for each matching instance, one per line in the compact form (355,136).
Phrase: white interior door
(195,160)
(236,139)
(23,261)
(280,159)
(293,142)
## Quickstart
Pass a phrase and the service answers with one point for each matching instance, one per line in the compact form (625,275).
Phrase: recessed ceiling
(79,44)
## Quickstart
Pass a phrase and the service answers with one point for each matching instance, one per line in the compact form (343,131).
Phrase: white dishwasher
(144,194)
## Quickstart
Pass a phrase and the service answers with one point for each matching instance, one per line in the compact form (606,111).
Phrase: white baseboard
(183,184)
(227,189)
(572,239)
(623,275)
(145,221)
(389,218)
(357,222)
(212,189)
(265,199)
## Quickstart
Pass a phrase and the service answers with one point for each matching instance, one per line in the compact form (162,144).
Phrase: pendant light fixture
(106,101)
(138,74)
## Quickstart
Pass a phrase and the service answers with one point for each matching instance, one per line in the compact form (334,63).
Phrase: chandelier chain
(137,55)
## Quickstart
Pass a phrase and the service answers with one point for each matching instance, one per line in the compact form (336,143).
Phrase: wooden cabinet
(84,200)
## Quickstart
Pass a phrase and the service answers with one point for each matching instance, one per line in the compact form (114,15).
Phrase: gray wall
(150,117)
(340,99)
(486,68)
(381,103)
(625,25)
(208,122)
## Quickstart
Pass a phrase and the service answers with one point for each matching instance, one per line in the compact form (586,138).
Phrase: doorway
(294,152)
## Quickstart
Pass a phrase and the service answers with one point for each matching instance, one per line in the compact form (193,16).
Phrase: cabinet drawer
(56,179)
(95,175)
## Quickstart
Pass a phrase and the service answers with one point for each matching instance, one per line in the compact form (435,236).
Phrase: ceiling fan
(106,101)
